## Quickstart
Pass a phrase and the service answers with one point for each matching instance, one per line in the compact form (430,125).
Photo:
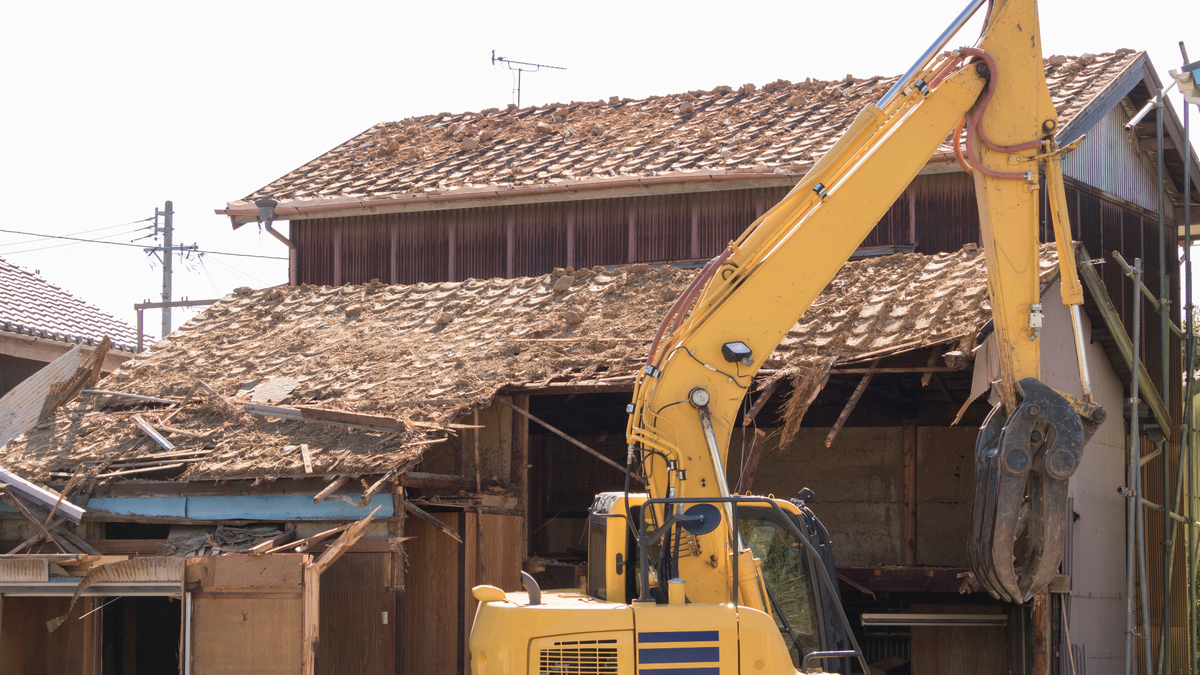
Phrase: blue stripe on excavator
(680,655)
(679,636)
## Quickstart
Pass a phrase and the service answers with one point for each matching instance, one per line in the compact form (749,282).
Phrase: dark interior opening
(140,635)
(136,531)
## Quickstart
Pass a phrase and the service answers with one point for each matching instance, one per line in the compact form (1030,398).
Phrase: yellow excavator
(687,579)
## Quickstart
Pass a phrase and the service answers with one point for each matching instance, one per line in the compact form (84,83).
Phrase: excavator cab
(803,609)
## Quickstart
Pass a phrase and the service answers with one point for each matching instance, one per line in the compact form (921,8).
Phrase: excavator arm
(738,309)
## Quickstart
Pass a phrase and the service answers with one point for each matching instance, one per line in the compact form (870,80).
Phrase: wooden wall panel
(953,650)
(503,539)
(431,602)
(352,630)
(27,648)
(242,635)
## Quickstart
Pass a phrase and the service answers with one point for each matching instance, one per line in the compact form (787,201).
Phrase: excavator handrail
(814,555)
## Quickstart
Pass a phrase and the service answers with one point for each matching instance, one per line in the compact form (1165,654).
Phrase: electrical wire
(118,243)
(246,276)
(70,243)
(76,234)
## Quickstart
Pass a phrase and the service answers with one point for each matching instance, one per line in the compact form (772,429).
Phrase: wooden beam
(44,350)
(858,392)
(418,512)
(41,495)
(570,440)
(154,435)
(311,617)
(1112,321)
(274,542)
(890,371)
(307,457)
(520,443)
(338,417)
(762,400)
(1040,618)
(135,397)
(16,501)
(436,481)
(910,494)
(1152,143)
(303,544)
(345,541)
(329,489)
(746,482)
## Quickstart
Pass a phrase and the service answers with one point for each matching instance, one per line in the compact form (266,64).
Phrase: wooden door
(353,632)
(251,615)
(27,648)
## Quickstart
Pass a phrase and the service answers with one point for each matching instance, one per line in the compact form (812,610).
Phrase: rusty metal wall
(946,213)
(1110,161)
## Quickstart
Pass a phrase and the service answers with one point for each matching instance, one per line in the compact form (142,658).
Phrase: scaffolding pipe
(1189,356)
(1164,638)
(1131,493)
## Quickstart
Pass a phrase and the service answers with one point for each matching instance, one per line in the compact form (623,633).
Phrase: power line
(117,243)
(73,234)
(70,243)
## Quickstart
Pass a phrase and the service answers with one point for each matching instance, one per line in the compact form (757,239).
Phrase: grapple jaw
(1022,465)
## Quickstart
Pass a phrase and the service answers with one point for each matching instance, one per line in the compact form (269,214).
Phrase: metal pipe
(1085,379)
(938,44)
(1131,505)
(1173,514)
(1146,108)
(1164,657)
(1189,355)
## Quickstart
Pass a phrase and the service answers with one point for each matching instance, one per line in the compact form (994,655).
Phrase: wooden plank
(307,456)
(570,440)
(434,481)
(520,442)
(746,483)
(27,648)
(1112,321)
(237,571)
(1040,618)
(273,543)
(910,494)
(41,495)
(762,400)
(154,435)
(304,544)
(428,518)
(135,397)
(16,501)
(858,392)
(882,371)
(338,417)
(345,541)
(329,489)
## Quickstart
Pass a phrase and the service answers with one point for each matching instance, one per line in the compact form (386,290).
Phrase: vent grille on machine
(579,657)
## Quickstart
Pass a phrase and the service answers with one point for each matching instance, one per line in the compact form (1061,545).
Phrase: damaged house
(434,400)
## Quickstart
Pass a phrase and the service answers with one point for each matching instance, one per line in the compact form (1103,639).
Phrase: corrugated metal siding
(1108,160)
(946,212)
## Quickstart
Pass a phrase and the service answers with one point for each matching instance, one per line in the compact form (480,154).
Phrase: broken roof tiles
(780,128)
(430,352)
(30,305)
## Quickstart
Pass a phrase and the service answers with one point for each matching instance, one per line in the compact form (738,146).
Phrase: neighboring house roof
(429,352)
(30,305)
(723,134)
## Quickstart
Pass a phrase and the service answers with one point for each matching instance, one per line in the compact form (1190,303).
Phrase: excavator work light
(736,351)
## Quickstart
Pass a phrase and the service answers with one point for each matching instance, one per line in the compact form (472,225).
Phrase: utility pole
(167,230)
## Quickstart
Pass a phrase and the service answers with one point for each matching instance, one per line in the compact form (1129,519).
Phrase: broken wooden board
(339,417)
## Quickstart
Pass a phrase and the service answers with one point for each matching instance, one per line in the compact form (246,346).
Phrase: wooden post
(518,470)
(481,566)
(462,592)
(1041,633)
(394,231)
(746,484)
(570,234)
(910,494)
(311,630)
(337,255)
(129,645)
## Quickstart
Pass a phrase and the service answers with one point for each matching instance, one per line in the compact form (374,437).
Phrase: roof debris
(388,379)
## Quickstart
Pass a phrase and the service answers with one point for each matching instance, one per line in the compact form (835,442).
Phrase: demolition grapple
(1022,464)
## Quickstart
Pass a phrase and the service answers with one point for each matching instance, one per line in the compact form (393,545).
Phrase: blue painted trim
(671,655)
(679,636)
(680,671)
(260,507)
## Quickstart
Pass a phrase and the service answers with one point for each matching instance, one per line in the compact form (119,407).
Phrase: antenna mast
(516,67)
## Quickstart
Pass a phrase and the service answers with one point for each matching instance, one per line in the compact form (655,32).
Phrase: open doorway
(140,635)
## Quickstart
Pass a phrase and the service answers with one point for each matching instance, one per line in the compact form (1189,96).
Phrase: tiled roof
(780,128)
(429,352)
(30,305)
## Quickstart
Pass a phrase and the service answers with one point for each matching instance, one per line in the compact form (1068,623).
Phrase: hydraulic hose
(975,120)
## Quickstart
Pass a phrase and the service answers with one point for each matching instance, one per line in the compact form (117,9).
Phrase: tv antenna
(516,66)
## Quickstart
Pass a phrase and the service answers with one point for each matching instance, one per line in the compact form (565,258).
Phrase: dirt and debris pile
(427,353)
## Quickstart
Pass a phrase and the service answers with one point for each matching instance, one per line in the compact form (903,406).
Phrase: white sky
(109,109)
